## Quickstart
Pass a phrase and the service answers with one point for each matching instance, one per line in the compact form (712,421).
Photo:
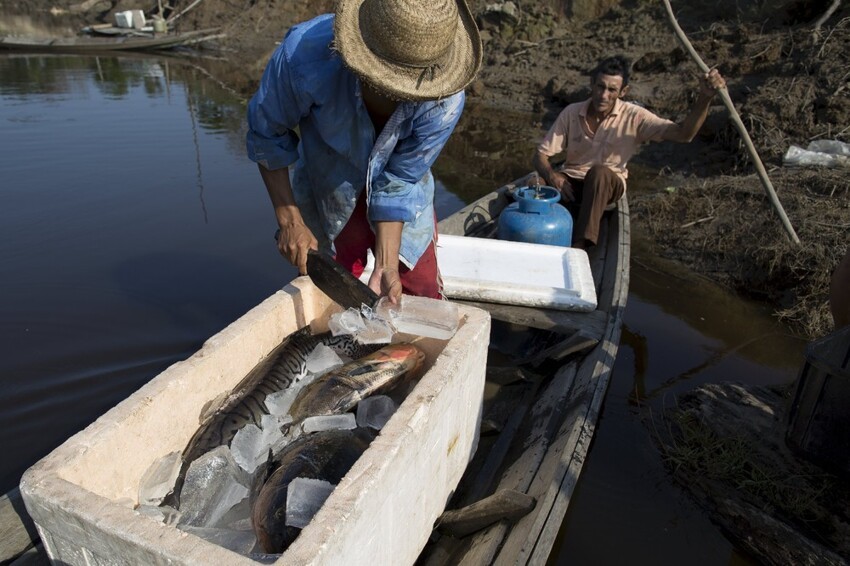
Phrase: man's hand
(711,82)
(562,183)
(294,240)
(386,282)
(554,178)
(684,131)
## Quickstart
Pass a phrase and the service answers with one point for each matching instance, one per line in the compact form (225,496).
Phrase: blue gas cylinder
(537,218)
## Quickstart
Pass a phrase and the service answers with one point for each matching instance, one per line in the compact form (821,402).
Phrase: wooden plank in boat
(532,540)
(596,256)
(579,341)
(476,215)
(17,530)
(515,544)
(506,504)
(496,456)
(529,453)
(565,322)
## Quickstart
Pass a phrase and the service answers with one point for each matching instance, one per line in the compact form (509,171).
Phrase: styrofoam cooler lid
(513,273)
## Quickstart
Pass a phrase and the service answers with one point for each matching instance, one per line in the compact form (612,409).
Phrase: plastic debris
(822,153)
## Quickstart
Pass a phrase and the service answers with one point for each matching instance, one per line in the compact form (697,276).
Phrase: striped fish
(341,389)
(286,365)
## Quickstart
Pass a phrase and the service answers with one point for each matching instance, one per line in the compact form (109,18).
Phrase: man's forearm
(543,167)
(280,191)
(387,244)
(688,128)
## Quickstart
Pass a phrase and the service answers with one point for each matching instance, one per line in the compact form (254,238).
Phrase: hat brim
(456,71)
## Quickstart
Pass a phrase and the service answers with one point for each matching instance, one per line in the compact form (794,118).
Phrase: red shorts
(357,237)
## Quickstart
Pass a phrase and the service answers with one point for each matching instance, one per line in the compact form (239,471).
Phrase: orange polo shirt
(616,139)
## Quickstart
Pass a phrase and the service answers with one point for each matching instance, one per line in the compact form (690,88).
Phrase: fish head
(268,515)
(409,355)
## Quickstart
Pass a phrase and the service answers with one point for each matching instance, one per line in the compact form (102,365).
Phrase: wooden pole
(736,119)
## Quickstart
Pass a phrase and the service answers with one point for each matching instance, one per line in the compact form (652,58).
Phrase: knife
(337,282)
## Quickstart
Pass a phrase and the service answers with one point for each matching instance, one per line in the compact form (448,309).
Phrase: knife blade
(337,282)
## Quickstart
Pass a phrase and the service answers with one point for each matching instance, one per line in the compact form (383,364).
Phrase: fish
(287,364)
(341,389)
(325,455)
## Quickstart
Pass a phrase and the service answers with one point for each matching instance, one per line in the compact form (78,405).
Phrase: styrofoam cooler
(82,495)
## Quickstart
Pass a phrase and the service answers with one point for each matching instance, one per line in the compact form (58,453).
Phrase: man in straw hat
(375,90)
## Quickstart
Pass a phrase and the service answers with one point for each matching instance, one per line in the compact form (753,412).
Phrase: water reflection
(679,332)
(133,228)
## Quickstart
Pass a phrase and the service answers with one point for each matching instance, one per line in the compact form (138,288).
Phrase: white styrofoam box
(130,19)
(516,273)
(512,273)
(81,495)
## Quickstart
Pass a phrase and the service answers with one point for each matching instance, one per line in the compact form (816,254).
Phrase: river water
(133,228)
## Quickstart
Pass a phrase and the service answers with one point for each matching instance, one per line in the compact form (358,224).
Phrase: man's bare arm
(385,279)
(295,239)
(551,177)
(687,129)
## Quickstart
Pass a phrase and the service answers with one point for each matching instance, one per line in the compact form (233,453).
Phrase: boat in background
(138,41)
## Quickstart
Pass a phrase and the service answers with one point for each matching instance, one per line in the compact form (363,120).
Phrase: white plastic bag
(821,153)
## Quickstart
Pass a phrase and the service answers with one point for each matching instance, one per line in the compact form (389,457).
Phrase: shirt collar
(618,105)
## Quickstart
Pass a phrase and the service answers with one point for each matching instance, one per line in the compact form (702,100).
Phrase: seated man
(600,135)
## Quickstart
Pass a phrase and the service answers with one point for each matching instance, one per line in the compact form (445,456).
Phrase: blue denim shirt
(335,153)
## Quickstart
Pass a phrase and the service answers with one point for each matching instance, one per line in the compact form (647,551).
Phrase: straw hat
(409,49)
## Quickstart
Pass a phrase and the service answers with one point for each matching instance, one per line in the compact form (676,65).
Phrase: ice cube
(345,421)
(346,322)
(322,359)
(250,444)
(214,484)
(247,447)
(376,331)
(158,480)
(366,329)
(304,498)
(431,318)
(279,402)
(375,411)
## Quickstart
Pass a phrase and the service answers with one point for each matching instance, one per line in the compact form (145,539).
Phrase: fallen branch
(831,10)
(736,119)
(83,6)
(189,7)
(695,222)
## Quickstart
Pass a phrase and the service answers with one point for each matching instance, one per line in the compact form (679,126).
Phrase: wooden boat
(511,500)
(536,452)
(89,44)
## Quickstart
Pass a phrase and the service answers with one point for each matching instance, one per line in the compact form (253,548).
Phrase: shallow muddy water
(133,228)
